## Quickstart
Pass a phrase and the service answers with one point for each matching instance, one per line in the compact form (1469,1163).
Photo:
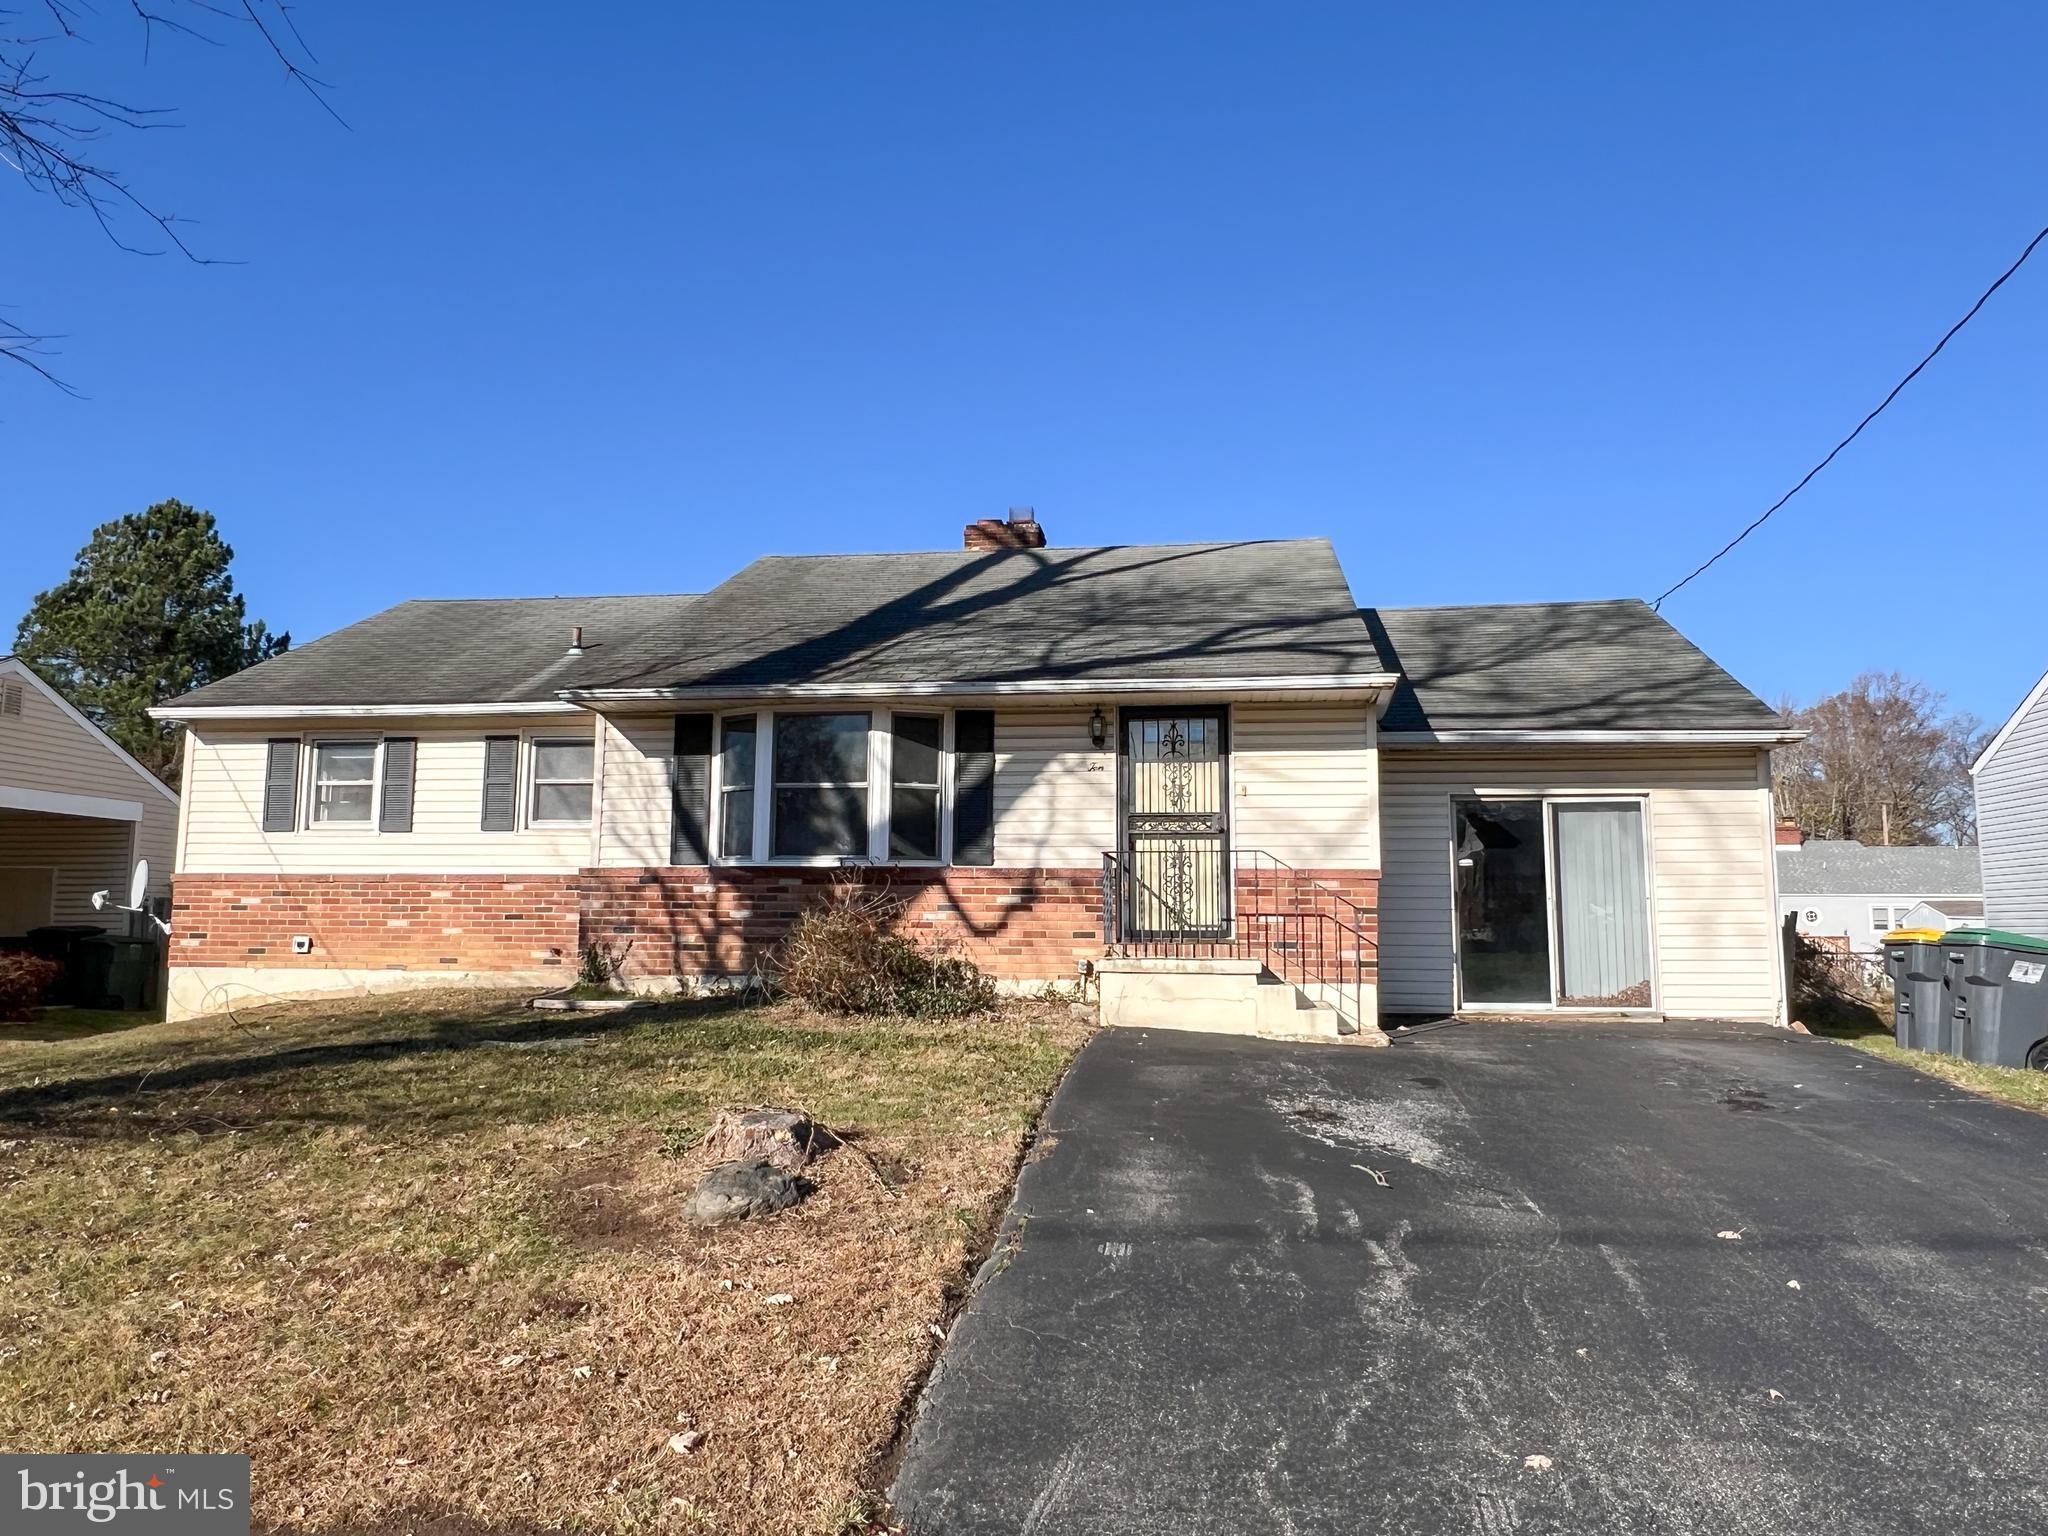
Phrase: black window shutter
(689,792)
(974,786)
(281,785)
(501,783)
(394,813)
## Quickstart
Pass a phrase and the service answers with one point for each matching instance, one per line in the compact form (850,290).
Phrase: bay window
(822,786)
(820,804)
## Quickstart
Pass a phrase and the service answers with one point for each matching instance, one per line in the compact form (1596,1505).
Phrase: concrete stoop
(1231,997)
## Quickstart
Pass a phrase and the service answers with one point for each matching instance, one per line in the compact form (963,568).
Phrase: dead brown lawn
(420,1258)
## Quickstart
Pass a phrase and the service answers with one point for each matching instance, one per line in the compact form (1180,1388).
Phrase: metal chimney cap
(1023,514)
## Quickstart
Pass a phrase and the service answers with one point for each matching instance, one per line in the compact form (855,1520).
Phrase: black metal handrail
(1303,931)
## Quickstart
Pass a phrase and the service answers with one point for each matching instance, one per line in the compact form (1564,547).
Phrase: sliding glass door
(1503,904)
(1552,904)
(1603,906)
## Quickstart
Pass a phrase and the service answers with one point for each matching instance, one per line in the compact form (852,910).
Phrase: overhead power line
(1949,336)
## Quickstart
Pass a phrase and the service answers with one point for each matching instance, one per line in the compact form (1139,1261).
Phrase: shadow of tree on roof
(1566,666)
(1017,616)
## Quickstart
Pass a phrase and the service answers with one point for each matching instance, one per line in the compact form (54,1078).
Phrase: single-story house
(2010,778)
(76,811)
(1201,765)
(1839,890)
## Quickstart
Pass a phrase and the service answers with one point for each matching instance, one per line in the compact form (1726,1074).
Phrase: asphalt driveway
(1207,1313)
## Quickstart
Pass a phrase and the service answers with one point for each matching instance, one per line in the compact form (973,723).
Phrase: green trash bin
(2003,978)
(1920,1015)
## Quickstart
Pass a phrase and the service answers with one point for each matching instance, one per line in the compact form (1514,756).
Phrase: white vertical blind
(1603,910)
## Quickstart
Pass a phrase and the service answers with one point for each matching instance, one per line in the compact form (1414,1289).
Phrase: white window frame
(309,755)
(528,787)
(881,737)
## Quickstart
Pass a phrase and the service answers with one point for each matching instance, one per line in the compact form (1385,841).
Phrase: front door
(1176,838)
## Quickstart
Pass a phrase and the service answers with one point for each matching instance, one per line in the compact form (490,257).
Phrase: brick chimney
(1789,835)
(1019,531)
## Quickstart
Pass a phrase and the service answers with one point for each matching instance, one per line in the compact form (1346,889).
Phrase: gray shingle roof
(454,651)
(1182,612)
(1825,867)
(1555,666)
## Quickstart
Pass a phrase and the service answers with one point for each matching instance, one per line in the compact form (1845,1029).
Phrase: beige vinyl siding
(1713,886)
(1304,784)
(88,855)
(44,749)
(224,805)
(2012,825)
(634,825)
(1055,791)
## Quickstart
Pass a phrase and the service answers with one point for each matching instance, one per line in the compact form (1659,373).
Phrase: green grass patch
(1867,1030)
(404,1250)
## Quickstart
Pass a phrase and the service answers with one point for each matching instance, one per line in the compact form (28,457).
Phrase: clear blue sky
(1513,302)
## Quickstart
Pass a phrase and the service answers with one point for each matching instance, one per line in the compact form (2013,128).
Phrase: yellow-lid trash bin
(1912,959)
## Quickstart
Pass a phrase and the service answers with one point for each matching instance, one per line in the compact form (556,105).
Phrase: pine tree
(148,612)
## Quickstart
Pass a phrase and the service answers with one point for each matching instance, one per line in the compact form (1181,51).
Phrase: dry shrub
(25,980)
(1832,984)
(845,956)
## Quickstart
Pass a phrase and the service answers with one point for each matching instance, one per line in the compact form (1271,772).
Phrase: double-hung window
(736,765)
(916,753)
(820,803)
(344,782)
(563,773)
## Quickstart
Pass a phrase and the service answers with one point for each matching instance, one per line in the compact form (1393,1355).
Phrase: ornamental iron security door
(1175,826)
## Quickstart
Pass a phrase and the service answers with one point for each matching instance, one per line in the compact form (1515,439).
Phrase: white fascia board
(1100,687)
(13,666)
(50,803)
(1590,738)
(358,711)
(2012,723)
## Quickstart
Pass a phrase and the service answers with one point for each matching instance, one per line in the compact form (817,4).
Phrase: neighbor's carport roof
(487,650)
(1577,666)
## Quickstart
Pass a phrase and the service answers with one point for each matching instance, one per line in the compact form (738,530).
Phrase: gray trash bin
(1920,1013)
(2004,980)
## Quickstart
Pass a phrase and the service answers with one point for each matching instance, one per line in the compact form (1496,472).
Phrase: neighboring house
(76,811)
(1839,889)
(1204,759)
(2011,782)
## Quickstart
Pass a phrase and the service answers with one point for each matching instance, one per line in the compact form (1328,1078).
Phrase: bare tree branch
(53,136)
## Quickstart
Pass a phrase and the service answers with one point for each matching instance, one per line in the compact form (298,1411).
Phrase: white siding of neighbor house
(44,750)
(1848,917)
(2012,825)
(1713,877)
(634,813)
(224,805)
(1304,784)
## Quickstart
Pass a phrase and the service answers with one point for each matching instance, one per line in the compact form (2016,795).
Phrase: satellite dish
(138,888)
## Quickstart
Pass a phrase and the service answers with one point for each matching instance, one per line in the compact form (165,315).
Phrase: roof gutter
(1362,684)
(1506,738)
(173,711)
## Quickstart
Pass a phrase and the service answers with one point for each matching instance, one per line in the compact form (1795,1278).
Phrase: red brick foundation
(1016,924)
(376,922)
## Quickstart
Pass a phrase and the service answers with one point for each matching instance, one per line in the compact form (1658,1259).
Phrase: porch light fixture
(1098,728)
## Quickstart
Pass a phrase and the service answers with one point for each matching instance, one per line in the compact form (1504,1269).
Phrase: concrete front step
(1223,996)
